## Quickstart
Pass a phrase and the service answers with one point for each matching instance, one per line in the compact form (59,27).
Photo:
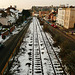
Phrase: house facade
(3,17)
(32,13)
(9,16)
(52,16)
(12,14)
(3,21)
(44,14)
(66,17)
(61,16)
(69,21)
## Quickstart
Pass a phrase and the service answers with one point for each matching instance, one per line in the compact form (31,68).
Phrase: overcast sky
(27,4)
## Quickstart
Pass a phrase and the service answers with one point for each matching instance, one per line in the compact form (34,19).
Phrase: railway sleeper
(38,71)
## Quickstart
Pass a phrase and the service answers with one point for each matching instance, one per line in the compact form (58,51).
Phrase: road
(10,45)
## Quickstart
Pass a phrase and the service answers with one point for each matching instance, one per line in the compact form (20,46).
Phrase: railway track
(55,62)
(37,67)
(43,57)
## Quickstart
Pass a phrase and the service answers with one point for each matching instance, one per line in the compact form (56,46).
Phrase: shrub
(70,61)
(45,28)
(58,38)
(67,45)
(64,52)
(41,23)
(4,37)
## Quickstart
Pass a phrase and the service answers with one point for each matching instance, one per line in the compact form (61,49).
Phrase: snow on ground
(56,49)
(1,40)
(16,31)
(47,67)
(23,61)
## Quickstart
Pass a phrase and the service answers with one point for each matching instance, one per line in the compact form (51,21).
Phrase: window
(72,17)
(67,17)
(67,13)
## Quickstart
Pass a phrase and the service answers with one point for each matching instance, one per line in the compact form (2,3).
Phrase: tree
(25,14)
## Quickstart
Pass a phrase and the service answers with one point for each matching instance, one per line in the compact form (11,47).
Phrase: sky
(27,4)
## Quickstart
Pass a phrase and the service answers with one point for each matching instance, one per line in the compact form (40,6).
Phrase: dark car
(1,45)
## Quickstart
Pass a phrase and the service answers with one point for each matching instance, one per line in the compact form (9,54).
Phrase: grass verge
(67,52)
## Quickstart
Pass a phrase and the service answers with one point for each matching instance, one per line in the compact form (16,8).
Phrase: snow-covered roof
(12,10)
(0,13)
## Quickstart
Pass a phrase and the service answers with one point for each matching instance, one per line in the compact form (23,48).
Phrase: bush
(70,61)
(67,52)
(41,23)
(58,38)
(64,52)
(4,37)
(67,45)
(45,28)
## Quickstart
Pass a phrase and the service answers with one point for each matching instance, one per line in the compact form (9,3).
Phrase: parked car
(25,21)
(55,26)
(1,45)
(47,22)
(52,25)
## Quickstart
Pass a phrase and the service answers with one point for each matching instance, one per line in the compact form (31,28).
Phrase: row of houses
(9,15)
(48,15)
(64,16)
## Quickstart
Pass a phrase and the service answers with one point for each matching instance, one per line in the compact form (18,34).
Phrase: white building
(61,16)
(66,17)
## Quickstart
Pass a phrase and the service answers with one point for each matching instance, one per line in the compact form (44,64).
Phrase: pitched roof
(3,13)
(11,8)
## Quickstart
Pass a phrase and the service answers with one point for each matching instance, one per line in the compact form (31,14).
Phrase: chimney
(15,6)
(10,6)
